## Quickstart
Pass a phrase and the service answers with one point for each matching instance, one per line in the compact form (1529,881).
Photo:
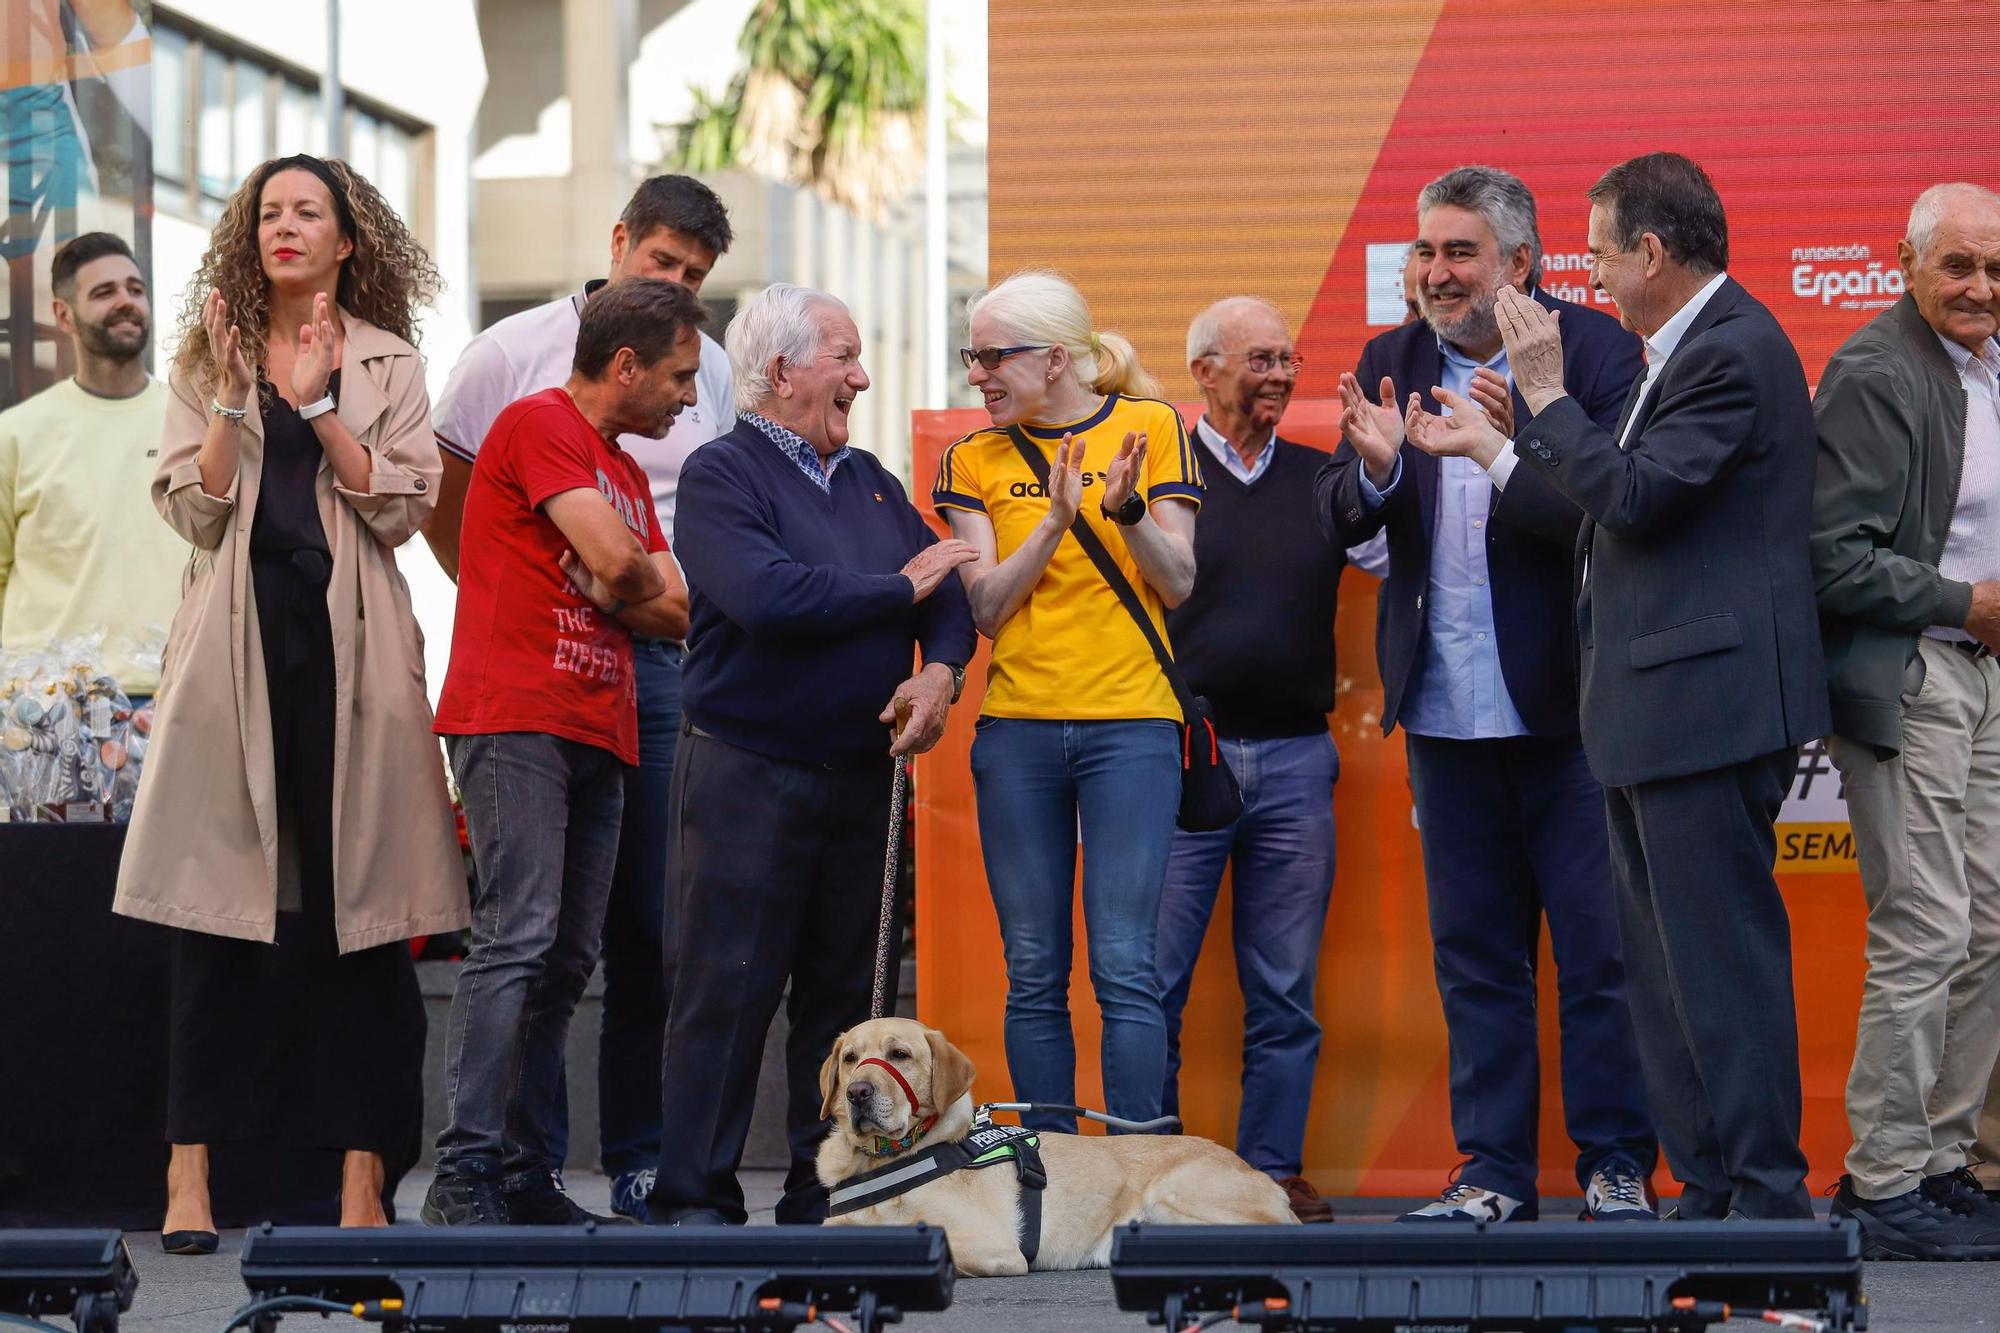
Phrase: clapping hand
(1534,348)
(1489,389)
(1466,433)
(313,366)
(1121,479)
(225,349)
(1066,482)
(1374,429)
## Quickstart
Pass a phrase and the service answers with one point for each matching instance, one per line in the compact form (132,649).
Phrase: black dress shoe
(188,1242)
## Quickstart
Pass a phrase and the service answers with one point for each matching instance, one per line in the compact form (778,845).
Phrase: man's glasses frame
(991,357)
(1263,363)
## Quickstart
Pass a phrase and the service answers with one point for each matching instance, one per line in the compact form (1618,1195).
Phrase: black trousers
(1708,970)
(778,872)
(294,1039)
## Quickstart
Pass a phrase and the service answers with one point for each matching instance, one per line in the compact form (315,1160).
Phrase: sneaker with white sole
(1469,1203)
(1619,1192)
(629,1192)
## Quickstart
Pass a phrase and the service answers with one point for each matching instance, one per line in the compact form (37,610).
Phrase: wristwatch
(1128,513)
(957,680)
(325,404)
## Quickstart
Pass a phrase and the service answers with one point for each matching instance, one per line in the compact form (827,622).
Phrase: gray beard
(1478,325)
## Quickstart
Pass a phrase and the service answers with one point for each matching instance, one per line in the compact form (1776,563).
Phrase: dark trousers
(778,868)
(1708,951)
(294,1038)
(636,987)
(542,813)
(1512,829)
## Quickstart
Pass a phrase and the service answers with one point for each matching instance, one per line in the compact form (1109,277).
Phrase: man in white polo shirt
(674,229)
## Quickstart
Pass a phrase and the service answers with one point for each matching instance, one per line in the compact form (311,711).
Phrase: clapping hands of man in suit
(1377,432)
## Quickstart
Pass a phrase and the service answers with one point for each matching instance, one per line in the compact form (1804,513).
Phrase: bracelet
(227,413)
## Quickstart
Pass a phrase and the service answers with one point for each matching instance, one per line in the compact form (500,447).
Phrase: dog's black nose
(860,1092)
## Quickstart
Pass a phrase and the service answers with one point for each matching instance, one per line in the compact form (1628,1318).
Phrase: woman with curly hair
(294,796)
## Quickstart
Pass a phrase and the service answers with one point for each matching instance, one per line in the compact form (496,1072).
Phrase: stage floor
(182,1295)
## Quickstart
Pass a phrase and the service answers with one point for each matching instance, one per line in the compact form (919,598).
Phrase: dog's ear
(829,1077)
(951,1071)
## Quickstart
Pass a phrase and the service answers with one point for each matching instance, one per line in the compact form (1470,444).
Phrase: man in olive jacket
(1906,556)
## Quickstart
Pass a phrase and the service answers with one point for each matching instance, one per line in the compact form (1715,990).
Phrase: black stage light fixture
(589,1278)
(1463,1278)
(84,1276)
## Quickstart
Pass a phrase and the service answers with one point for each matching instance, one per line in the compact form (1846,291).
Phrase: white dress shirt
(1662,345)
(1972,548)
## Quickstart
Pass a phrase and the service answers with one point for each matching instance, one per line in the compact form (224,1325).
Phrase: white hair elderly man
(812,581)
(1906,554)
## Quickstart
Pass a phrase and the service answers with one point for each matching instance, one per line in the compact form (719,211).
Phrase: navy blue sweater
(800,625)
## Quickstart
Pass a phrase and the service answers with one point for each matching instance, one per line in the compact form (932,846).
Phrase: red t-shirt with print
(529,653)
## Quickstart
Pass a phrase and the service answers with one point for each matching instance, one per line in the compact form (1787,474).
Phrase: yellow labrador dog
(894,1087)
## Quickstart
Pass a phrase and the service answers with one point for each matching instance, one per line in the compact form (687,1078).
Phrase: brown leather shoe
(1306,1203)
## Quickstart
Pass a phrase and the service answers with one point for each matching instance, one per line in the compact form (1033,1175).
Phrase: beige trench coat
(202,851)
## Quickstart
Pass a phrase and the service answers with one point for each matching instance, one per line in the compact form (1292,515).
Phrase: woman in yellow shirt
(1079,732)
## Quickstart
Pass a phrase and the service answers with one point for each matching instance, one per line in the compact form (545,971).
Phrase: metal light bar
(1469,1277)
(85,1276)
(708,1278)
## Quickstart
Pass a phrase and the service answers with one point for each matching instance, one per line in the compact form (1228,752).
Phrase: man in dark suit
(1695,580)
(1475,642)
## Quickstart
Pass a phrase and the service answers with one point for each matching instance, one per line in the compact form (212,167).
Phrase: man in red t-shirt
(539,716)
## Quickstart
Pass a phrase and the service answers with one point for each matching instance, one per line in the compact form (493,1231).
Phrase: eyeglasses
(991,357)
(1263,363)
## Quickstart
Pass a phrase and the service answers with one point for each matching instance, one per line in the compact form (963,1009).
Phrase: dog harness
(987,1145)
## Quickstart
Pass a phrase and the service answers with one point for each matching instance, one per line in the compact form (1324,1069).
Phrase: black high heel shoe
(188,1242)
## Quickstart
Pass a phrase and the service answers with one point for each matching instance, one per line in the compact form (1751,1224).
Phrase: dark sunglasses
(991,357)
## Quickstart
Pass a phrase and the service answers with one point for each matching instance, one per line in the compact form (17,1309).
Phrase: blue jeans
(1039,785)
(1280,853)
(636,985)
(1514,829)
(542,815)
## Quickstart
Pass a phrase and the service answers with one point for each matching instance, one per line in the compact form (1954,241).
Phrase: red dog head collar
(890,1147)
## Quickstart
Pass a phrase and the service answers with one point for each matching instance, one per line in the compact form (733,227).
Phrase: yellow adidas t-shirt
(1072,652)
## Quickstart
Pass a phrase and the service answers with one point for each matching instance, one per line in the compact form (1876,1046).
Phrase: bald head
(1232,316)
(1240,354)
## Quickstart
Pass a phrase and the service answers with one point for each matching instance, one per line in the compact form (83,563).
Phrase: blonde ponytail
(1118,368)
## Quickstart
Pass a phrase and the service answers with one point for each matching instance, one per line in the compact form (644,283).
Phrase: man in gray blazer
(1906,546)
(1701,667)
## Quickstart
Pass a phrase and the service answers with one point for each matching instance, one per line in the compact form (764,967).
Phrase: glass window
(251,119)
(362,136)
(170,104)
(299,129)
(212,165)
(397,177)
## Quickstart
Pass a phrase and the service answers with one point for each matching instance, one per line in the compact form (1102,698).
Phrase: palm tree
(830,96)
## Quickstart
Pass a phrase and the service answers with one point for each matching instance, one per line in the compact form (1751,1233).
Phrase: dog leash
(892,864)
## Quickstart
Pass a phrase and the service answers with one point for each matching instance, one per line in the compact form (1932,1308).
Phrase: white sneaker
(1619,1192)
(1469,1203)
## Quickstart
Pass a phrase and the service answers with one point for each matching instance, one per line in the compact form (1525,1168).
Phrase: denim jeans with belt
(542,814)
(1040,785)
(1280,854)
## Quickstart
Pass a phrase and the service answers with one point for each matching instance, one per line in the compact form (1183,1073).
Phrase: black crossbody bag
(1210,798)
